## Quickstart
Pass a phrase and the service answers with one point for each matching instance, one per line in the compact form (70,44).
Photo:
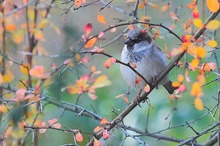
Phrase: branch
(121,116)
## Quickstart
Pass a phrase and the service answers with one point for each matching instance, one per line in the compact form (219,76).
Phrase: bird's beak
(129,42)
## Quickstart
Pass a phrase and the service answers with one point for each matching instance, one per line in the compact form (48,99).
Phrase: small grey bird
(150,61)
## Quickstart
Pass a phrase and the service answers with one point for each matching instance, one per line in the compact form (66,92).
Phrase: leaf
(182,88)
(180,78)
(155,6)
(165,7)
(17,36)
(101,19)
(25,68)
(198,23)
(213,5)
(198,104)
(200,52)
(73,89)
(43,23)
(108,63)
(212,43)
(97,129)
(147,88)
(105,134)
(79,137)
(175,84)
(141,5)
(52,121)
(209,66)
(196,90)
(195,13)
(101,81)
(194,63)
(8,77)
(96,142)
(10,27)
(37,71)
(90,43)
(88,29)
(56,125)
(213,25)
(79,3)
(104,121)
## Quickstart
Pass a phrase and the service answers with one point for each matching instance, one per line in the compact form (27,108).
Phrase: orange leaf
(213,25)
(90,42)
(175,84)
(180,78)
(212,43)
(104,121)
(37,71)
(198,104)
(88,29)
(10,27)
(108,63)
(200,52)
(101,19)
(213,5)
(198,23)
(141,5)
(97,129)
(209,66)
(79,137)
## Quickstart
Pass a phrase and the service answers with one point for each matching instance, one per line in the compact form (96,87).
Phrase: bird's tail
(169,87)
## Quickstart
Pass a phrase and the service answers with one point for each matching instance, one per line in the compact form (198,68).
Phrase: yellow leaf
(101,81)
(200,52)
(213,5)
(141,5)
(213,25)
(180,78)
(198,104)
(196,90)
(101,19)
(212,43)
(8,76)
(198,23)
(39,35)
(194,63)
(18,36)
(43,23)
(25,68)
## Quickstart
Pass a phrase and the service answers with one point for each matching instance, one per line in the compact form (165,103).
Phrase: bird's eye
(137,40)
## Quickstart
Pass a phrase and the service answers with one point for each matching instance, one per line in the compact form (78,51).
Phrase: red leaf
(88,29)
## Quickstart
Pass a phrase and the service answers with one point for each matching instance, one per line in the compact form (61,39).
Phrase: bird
(147,58)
